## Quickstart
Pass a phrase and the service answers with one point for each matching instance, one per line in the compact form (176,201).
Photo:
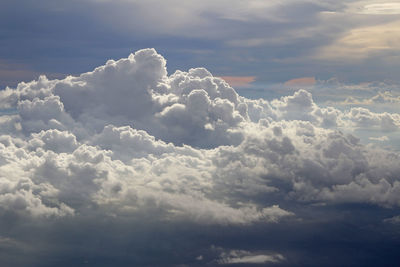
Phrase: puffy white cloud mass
(128,138)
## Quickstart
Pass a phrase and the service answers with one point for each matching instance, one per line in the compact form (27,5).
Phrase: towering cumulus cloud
(129,142)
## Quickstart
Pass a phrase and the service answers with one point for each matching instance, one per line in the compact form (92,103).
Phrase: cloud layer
(127,139)
(356,41)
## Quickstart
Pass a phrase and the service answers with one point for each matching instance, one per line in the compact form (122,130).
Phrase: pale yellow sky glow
(381,8)
(363,42)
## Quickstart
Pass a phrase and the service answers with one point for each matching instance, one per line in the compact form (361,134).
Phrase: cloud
(282,34)
(361,117)
(380,139)
(239,81)
(246,257)
(130,143)
(192,146)
(364,42)
(374,8)
(386,98)
(13,73)
(394,220)
(304,81)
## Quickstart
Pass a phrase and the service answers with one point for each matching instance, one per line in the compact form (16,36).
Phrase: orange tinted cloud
(239,81)
(304,81)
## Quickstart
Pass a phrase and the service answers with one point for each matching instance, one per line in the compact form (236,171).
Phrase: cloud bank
(129,140)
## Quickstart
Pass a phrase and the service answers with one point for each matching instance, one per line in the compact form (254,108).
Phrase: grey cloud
(393,220)
(246,257)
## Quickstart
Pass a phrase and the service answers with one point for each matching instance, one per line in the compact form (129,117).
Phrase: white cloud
(380,139)
(364,118)
(129,138)
(384,98)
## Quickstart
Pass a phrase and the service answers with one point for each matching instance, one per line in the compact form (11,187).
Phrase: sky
(199,133)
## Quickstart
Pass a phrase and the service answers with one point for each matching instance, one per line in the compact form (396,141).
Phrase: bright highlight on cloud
(126,135)
(389,8)
(128,139)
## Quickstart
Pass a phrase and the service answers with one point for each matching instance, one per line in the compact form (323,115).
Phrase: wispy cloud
(374,7)
(246,257)
(361,43)
(380,139)
(304,81)
(239,81)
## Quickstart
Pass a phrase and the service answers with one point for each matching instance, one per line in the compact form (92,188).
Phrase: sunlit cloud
(375,8)
(383,8)
(380,139)
(364,42)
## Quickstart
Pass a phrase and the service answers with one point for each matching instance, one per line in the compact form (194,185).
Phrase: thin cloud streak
(239,81)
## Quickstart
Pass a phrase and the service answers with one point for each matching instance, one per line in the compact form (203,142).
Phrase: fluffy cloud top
(127,137)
